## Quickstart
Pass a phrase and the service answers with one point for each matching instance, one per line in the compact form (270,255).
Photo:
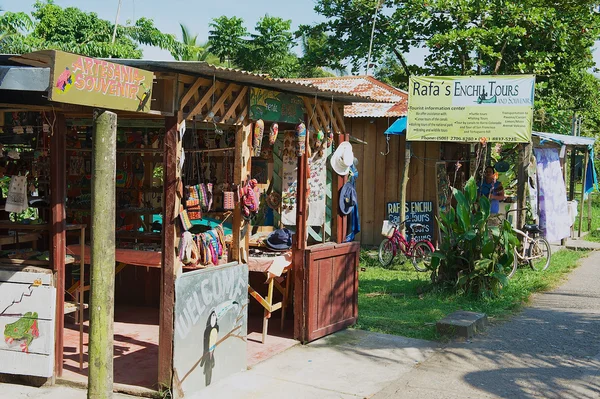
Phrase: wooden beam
(329,111)
(192,90)
(340,118)
(203,101)
(324,120)
(224,96)
(312,117)
(57,203)
(231,112)
(168,270)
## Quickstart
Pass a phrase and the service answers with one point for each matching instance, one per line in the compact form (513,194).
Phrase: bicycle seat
(532,228)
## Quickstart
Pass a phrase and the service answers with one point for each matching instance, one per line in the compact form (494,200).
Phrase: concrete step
(462,324)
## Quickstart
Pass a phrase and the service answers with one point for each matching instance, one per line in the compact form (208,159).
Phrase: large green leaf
(471,190)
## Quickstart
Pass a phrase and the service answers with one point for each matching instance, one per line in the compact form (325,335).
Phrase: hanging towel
(554,213)
(16,200)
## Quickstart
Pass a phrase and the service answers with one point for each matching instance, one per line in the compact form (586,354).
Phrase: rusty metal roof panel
(396,100)
(359,85)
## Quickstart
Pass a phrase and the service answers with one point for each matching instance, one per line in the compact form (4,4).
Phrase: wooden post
(340,224)
(522,182)
(585,166)
(241,169)
(404,183)
(102,291)
(299,248)
(572,174)
(57,200)
(169,267)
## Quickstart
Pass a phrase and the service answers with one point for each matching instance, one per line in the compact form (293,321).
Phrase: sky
(197,14)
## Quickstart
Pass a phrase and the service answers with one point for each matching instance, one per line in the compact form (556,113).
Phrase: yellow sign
(89,81)
(470,108)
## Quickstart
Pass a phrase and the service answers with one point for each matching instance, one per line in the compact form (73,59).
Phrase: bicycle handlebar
(515,210)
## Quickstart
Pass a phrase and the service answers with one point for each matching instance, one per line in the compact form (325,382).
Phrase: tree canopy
(550,39)
(71,29)
(269,50)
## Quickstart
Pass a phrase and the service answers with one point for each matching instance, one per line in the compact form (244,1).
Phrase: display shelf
(123,150)
(136,235)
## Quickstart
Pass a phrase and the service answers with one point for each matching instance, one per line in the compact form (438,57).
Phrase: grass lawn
(398,301)
(594,235)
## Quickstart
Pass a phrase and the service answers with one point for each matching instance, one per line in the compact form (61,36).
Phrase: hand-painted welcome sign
(98,83)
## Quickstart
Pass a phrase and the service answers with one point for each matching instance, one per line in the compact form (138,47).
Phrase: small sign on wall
(417,212)
(27,314)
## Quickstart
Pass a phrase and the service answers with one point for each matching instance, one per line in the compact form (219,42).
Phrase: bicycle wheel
(515,264)
(421,258)
(539,254)
(386,252)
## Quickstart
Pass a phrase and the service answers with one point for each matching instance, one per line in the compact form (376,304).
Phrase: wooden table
(274,268)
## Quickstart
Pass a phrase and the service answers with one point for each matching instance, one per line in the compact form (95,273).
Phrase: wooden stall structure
(380,158)
(193,112)
(569,147)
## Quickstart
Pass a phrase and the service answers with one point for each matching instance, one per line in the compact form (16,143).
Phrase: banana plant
(473,256)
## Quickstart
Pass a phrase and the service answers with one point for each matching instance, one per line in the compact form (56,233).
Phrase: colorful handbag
(228,200)
(186,224)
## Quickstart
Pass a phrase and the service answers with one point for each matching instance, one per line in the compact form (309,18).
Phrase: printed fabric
(16,200)
(554,214)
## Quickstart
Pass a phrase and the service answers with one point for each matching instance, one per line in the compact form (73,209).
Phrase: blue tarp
(398,127)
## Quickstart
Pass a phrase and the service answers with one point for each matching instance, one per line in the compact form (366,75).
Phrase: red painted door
(331,288)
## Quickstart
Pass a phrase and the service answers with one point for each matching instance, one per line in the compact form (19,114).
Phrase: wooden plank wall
(379,175)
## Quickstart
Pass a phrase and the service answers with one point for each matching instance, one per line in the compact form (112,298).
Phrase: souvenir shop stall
(193,181)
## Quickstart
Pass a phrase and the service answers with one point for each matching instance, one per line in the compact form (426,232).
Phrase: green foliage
(193,50)
(472,256)
(267,51)
(226,37)
(73,30)
(550,39)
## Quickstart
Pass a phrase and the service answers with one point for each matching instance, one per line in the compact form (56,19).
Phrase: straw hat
(342,158)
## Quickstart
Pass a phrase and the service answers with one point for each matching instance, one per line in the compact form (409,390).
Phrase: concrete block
(462,324)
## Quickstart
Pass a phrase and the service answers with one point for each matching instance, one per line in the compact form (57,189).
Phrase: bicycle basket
(387,230)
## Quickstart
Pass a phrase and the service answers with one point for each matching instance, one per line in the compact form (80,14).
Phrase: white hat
(342,158)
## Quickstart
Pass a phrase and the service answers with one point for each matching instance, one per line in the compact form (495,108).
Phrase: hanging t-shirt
(486,188)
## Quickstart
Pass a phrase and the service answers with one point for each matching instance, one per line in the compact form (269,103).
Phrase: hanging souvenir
(16,199)
(259,128)
(273,131)
(330,139)
(300,140)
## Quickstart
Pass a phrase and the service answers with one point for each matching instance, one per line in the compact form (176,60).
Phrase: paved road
(550,350)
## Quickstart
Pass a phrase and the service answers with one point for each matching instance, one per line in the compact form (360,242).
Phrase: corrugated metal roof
(42,58)
(396,100)
(566,139)
(254,79)
(376,110)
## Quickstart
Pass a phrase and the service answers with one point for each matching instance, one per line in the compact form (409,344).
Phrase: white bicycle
(534,249)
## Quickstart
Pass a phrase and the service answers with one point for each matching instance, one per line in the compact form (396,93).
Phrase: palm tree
(196,51)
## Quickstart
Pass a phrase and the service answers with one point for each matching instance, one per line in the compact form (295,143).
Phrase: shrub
(473,257)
